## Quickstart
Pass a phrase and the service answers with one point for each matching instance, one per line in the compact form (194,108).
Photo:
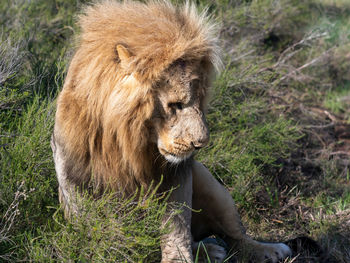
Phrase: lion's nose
(200,143)
(196,147)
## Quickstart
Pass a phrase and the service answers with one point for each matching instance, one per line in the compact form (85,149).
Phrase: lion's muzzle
(189,134)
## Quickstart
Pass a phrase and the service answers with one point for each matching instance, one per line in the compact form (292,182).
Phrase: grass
(279,120)
(104,231)
(338,100)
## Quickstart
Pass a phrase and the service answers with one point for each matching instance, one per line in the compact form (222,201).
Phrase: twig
(339,153)
(332,124)
(285,55)
(308,64)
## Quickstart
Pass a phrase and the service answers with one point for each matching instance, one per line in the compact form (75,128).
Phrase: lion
(132,111)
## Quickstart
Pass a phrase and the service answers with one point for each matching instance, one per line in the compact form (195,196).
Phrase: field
(280,134)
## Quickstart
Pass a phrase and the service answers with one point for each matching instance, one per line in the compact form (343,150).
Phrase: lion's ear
(124,55)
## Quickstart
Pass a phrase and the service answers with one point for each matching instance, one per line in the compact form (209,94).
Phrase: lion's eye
(194,83)
(176,105)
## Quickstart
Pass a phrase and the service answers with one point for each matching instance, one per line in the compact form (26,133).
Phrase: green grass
(338,100)
(104,231)
(274,116)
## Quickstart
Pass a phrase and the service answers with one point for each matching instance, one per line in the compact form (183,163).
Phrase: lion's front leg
(66,190)
(219,216)
(177,245)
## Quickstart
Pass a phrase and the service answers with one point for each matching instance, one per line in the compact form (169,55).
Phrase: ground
(280,134)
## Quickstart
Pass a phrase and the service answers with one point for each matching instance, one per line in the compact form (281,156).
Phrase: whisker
(158,156)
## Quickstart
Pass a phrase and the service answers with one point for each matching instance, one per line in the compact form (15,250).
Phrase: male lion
(132,110)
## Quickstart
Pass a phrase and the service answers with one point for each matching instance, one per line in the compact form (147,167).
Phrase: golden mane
(104,107)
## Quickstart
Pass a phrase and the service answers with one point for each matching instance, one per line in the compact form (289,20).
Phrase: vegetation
(280,134)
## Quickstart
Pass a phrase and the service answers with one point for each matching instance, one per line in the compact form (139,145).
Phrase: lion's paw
(213,252)
(272,252)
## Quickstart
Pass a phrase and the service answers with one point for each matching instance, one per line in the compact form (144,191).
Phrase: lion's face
(179,120)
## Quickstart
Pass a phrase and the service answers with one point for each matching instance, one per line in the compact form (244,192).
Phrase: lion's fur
(132,106)
(104,108)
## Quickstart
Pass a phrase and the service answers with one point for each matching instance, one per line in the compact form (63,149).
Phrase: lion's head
(179,120)
(136,90)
